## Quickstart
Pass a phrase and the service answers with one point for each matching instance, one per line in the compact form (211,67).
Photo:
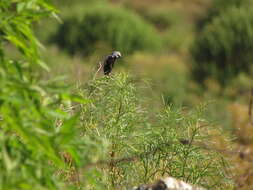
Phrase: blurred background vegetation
(179,54)
(190,52)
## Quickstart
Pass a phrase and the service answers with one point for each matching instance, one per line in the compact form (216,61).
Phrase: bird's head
(116,54)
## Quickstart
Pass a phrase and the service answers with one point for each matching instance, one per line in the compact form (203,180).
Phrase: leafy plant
(31,140)
(223,49)
(106,27)
(141,150)
(96,138)
(218,7)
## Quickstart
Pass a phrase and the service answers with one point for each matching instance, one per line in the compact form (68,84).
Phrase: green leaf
(43,65)
(21,6)
(9,163)
(75,98)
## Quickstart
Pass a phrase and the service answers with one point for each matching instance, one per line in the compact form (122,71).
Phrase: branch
(100,65)
(137,157)
(250,107)
(124,159)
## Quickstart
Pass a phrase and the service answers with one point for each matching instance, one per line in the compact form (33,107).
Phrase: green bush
(35,131)
(218,7)
(147,149)
(224,47)
(77,7)
(52,139)
(111,27)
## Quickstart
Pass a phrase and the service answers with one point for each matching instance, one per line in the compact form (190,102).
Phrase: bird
(109,62)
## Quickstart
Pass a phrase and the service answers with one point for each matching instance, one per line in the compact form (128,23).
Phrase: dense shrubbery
(29,139)
(224,47)
(52,139)
(218,7)
(35,132)
(151,149)
(112,27)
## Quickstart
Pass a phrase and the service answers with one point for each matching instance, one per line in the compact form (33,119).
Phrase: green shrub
(224,47)
(111,27)
(218,7)
(52,139)
(35,132)
(77,7)
(145,149)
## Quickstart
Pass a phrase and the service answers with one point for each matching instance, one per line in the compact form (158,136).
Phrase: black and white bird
(109,62)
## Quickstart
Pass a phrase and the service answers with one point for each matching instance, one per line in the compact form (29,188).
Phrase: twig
(100,66)
(111,162)
(124,159)
(250,107)
(139,156)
